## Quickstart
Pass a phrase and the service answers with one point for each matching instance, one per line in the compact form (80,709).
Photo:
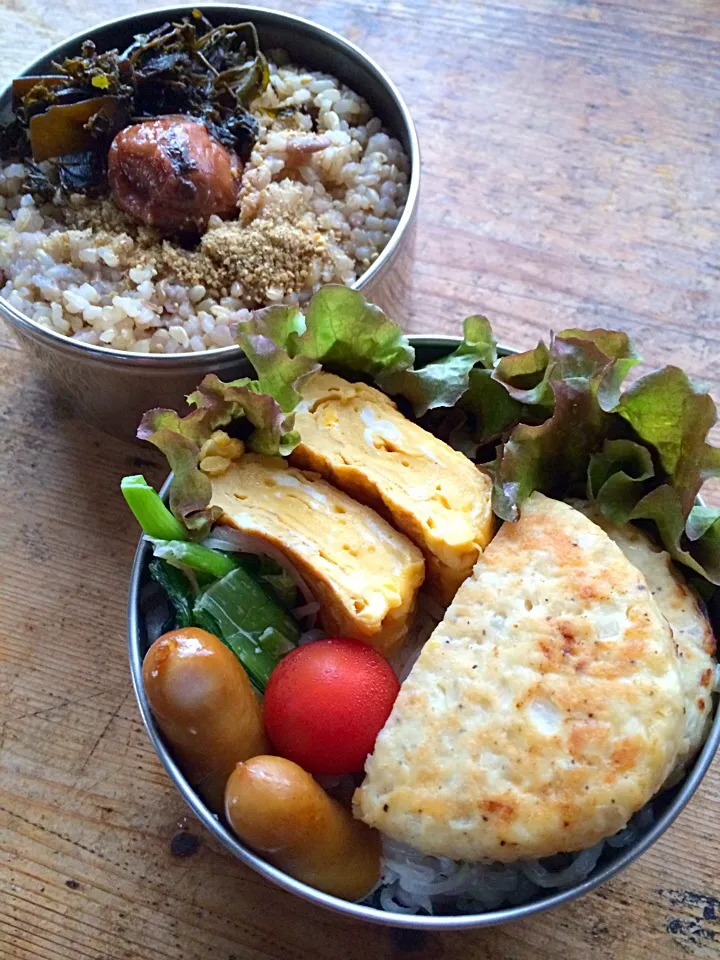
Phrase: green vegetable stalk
(238,604)
(178,591)
(149,510)
(201,559)
(271,577)
(255,628)
(258,664)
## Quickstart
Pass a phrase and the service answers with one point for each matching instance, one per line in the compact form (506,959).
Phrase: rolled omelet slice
(363,573)
(544,711)
(691,630)
(355,437)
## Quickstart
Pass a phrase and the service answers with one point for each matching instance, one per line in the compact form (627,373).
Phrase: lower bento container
(147,614)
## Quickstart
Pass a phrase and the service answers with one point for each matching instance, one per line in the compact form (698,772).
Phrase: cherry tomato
(326,702)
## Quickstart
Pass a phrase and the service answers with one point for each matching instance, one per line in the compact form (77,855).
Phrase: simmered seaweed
(189,68)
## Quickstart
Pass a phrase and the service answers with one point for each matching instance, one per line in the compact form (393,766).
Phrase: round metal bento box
(112,388)
(147,613)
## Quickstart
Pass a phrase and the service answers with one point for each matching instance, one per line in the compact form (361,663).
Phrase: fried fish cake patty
(690,627)
(545,709)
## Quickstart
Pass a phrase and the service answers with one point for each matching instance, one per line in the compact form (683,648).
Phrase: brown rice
(321,194)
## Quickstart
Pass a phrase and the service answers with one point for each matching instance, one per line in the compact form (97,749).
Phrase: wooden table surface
(570,177)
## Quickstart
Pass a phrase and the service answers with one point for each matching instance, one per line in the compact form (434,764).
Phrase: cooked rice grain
(328,181)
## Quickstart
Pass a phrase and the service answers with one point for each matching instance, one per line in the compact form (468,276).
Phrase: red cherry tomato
(326,702)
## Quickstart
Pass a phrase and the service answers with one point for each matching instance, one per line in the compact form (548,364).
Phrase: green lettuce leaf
(582,374)
(673,414)
(657,476)
(602,357)
(551,457)
(705,551)
(179,438)
(220,402)
(344,330)
(217,404)
(490,409)
(279,375)
(618,478)
(269,339)
(340,329)
(614,358)
(557,415)
(525,375)
(701,521)
(664,507)
(282,325)
(224,402)
(443,382)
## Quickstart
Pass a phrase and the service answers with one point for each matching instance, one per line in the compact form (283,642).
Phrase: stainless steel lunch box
(113,388)
(145,624)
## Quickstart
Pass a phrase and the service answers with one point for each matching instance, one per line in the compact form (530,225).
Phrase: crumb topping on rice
(269,258)
(321,194)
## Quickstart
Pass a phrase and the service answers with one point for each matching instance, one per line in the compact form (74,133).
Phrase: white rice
(98,285)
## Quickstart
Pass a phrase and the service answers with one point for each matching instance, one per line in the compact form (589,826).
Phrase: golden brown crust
(692,633)
(543,712)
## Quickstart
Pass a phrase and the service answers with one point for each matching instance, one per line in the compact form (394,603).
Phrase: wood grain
(570,176)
